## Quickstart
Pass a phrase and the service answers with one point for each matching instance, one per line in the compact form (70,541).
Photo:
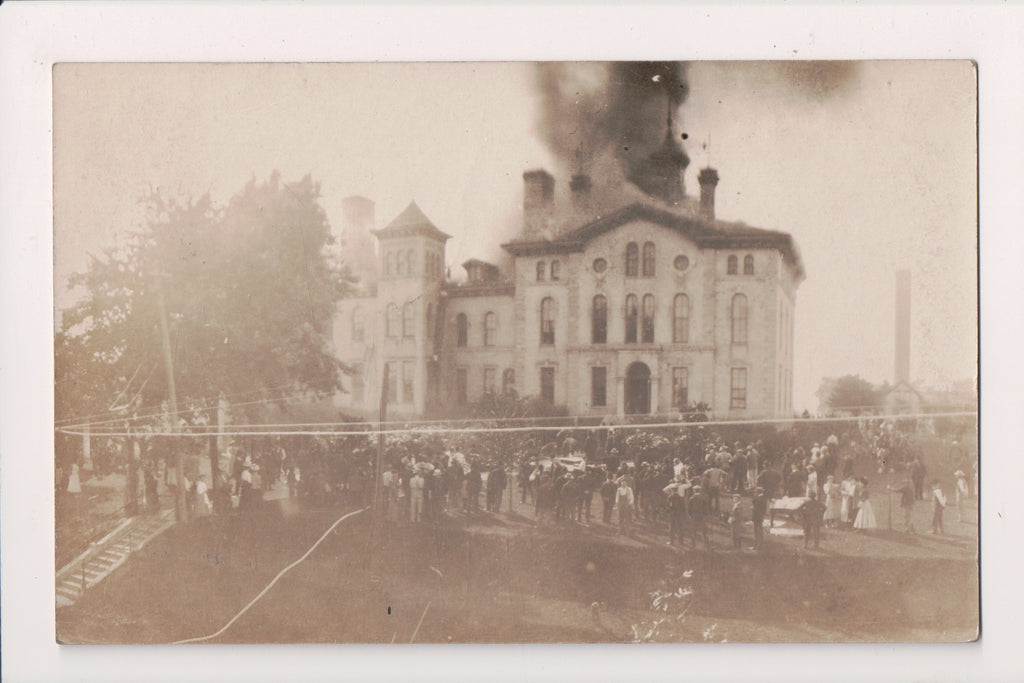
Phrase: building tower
(902,353)
(411,265)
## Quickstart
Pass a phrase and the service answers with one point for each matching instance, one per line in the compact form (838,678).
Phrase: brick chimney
(708,179)
(538,202)
(580,186)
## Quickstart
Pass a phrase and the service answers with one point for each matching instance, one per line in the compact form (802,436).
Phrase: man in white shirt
(416,497)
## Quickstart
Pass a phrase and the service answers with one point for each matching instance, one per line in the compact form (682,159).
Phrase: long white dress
(865,516)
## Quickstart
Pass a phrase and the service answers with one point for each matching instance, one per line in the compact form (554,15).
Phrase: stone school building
(649,308)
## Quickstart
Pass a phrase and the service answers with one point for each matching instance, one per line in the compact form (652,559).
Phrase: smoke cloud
(605,119)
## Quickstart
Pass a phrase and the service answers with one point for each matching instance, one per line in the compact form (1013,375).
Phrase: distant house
(903,399)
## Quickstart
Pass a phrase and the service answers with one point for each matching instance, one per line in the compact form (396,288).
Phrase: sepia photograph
(516,352)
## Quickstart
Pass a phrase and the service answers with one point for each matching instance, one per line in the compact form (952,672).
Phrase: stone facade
(696,311)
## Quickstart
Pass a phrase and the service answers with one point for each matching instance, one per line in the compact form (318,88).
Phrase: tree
(249,293)
(854,395)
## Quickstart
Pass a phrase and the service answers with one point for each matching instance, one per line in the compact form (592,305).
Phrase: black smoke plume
(606,119)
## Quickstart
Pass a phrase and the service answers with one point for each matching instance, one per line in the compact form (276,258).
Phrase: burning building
(632,298)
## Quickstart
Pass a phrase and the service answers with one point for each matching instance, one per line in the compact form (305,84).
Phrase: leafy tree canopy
(853,394)
(249,291)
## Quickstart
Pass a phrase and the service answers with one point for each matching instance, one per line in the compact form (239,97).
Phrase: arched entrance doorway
(638,389)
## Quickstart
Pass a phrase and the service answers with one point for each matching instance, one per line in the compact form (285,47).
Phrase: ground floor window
(358,384)
(408,381)
(680,388)
(547,384)
(738,390)
(508,381)
(392,384)
(460,385)
(598,386)
(490,376)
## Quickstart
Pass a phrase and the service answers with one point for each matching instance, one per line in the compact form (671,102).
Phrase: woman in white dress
(865,516)
(832,496)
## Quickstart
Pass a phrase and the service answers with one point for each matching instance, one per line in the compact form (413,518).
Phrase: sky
(871,166)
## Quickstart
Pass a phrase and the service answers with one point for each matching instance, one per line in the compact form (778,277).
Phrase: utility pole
(165,339)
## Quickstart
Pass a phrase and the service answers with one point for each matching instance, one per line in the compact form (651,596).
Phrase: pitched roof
(713,234)
(412,221)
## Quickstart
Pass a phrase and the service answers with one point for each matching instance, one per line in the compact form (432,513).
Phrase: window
(599,321)
(401,263)
(389,264)
(547,384)
(461,330)
(508,381)
(598,386)
(408,320)
(632,259)
(547,321)
(490,375)
(649,259)
(393,321)
(738,388)
(358,384)
(358,326)
(731,265)
(556,270)
(680,388)
(682,262)
(460,386)
(739,319)
(408,377)
(632,318)
(681,319)
(392,384)
(490,328)
(600,265)
(540,271)
(748,264)
(410,262)
(648,335)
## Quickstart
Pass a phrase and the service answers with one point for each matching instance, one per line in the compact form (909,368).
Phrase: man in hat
(713,478)
(759,509)
(811,512)
(907,498)
(416,485)
(676,499)
(698,510)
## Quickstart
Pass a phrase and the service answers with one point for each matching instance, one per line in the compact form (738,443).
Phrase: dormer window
(732,265)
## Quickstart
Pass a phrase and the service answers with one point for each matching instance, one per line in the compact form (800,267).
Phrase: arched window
(408,320)
(410,263)
(739,319)
(394,320)
(748,264)
(358,325)
(681,319)
(649,259)
(632,319)
(461,330)
(508,381)
(401,264)
(648,329)
(599,321)
(556,269)
(540,271)
(490,328)
(547,321)
(389,264)
(732,265)
(632,259)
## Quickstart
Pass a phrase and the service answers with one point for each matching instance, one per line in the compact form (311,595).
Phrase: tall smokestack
(357,241)
(708,179)
(538,202)
(902,359)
